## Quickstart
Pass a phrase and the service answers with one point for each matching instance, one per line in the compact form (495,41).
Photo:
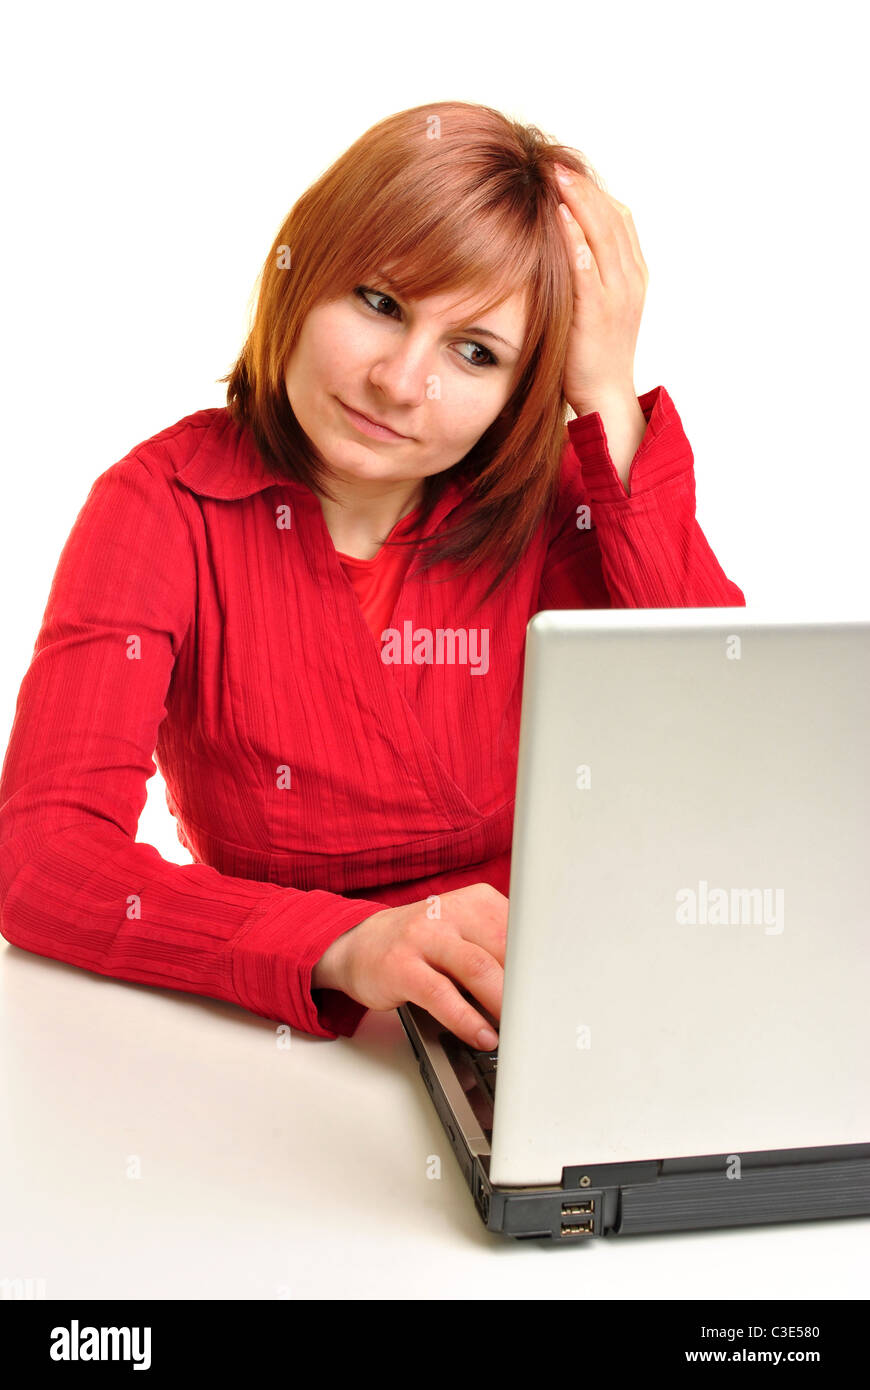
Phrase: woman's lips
(367,426)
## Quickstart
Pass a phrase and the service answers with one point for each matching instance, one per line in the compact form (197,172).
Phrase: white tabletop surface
(268,1171)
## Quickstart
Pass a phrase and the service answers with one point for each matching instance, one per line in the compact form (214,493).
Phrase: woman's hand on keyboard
(404,954)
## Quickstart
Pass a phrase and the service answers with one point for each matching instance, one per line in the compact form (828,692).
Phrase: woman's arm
(74,883)
(608,549)
(633,541)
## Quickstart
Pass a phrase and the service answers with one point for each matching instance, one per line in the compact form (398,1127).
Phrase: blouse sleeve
(74,883)
(641,549)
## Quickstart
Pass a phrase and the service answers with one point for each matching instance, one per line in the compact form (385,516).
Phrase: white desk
(297,1172)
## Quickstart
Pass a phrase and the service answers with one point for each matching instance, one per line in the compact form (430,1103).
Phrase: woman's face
(423,367)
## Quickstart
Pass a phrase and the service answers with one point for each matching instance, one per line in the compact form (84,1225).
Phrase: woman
(312,603)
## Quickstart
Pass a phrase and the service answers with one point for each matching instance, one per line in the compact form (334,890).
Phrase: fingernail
(487,1038)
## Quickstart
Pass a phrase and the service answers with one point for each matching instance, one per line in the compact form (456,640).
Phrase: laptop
(685,1035)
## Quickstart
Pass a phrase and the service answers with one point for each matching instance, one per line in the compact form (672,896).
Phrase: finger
(630,228)
(440,997)
(582,259)
(492,1018)
(471,966)
(600,224)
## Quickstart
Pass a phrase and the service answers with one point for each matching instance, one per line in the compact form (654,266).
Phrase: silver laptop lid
(689,923)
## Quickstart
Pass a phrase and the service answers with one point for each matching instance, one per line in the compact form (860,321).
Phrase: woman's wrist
(328,972)
(323,974)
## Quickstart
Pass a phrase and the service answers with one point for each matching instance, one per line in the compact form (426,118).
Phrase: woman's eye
(364,293)
(381,298)
(491,360)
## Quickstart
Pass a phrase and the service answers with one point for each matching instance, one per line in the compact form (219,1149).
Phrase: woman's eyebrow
(481,332)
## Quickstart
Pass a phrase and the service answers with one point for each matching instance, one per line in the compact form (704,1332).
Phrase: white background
(153,151)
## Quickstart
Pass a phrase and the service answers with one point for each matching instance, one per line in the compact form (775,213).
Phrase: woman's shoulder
(208,452)
(173,447)
(143,483)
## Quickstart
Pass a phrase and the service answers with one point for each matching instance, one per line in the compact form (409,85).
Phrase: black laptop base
(684,1194)
(654,1196)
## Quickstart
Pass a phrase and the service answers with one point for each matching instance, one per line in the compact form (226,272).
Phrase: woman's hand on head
(610,277)
(406,955)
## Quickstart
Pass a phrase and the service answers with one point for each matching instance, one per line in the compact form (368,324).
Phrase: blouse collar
(227,465)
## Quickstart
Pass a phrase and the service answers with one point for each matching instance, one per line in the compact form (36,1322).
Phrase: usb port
(578,1208)
(585,1228)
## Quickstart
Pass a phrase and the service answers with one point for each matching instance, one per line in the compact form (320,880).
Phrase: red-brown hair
(445,198)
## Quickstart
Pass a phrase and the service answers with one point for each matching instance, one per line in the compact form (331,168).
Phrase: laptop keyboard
(485,1068)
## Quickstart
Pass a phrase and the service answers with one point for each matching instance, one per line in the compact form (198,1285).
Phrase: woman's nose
(404,376)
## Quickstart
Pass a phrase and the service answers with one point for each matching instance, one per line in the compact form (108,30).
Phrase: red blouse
(199,612)
(377,581)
